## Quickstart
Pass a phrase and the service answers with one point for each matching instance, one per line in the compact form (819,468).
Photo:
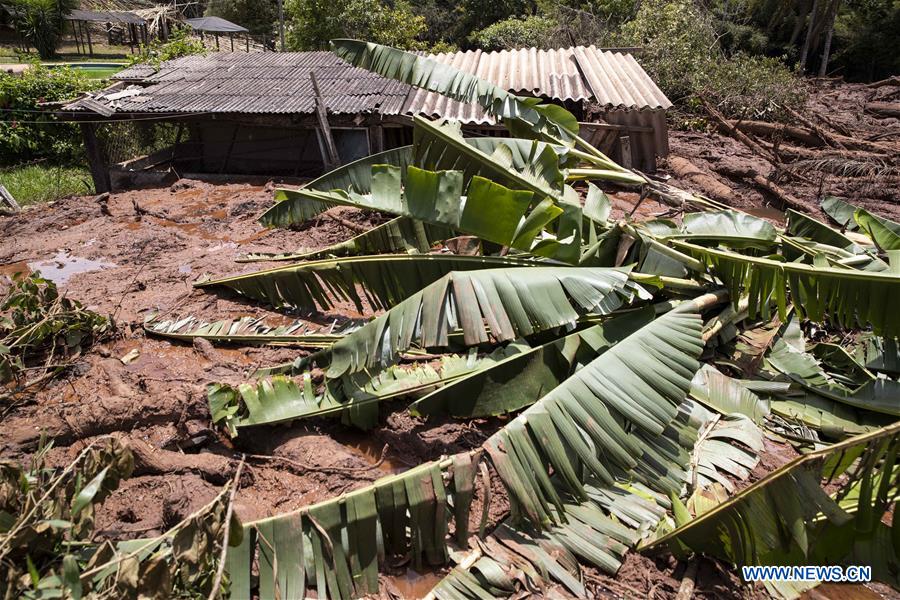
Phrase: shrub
(28,135)
(179,44)
(312,23)
(681,53)
(515,33)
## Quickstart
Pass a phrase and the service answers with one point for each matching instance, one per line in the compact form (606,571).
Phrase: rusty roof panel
(279,83)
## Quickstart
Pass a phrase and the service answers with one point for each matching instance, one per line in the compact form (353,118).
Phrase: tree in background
(533,31)
(259,16)
(312,23)
(41,22)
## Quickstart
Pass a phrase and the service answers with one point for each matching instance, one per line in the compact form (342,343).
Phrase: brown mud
(139,254)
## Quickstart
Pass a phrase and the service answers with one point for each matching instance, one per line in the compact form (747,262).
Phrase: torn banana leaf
(639,383)
(250,330)
(357,175)
(726,395)
(788,517)
(513,303)
(729,449)
(544,121)
(384,280)
(401,235)
(878,395)
(531,373)
(334,549)
(802,225)
(727,227)
(884,232)
(848,298)
(279,399)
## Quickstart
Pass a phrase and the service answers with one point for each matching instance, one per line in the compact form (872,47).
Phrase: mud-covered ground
(139,253)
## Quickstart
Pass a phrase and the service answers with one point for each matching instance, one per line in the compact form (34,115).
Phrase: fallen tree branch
(348,224)
(829,138)
(894,80)
(770,186)
(220,569)
(884,109)
(704,180)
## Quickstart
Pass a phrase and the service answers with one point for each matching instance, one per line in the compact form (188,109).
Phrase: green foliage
(41,22)
(867,36)
(25,133)
(40,327)
(312,23)
(513,33)
(180,43)
(258,16)
(682,54)
(33,184)
(43,511)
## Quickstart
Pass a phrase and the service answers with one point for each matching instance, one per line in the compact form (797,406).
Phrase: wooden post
(99,172)
(8,198)
(230,148)
(376,139)
(217,40)
(247,37)
(625,145)
(231,37)
(87,28)
(75,36)
(332,159)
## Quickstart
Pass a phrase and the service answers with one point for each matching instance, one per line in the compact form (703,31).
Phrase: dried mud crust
(842,104)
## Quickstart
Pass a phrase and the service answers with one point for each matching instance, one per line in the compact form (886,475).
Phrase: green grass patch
(32,184)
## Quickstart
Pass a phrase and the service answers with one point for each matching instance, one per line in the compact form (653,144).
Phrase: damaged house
(299,113)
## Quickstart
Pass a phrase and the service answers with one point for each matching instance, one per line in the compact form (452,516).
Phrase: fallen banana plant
(788,517)
(593,363)
(249,330)
(401,235)
(385,280)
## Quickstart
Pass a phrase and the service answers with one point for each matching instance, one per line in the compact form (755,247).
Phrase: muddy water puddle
(412,584)
(64,266)
(12,269)
(370,450)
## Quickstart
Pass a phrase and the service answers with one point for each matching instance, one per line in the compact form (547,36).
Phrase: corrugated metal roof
(609,79)
(258,83)
(279,83)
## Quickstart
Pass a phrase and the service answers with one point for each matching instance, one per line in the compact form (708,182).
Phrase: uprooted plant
(47,545)
(41,332)
(591,332)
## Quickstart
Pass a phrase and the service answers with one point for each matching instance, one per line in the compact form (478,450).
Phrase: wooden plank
(8,198)
(625,146)
(332,159)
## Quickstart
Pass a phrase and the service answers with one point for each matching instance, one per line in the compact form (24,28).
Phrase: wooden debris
(702,179)
(829,138)
(773,188)
(884,109)
(895,80)
(8,199)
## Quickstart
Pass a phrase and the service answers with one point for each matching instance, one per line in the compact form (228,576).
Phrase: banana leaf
(726,395)
(840,211)
(279,399)
(513,303)
(548,122)
(884,232)
(532,373)
(846,297)
(401,235)
(727,227)
(788,517)
(385,280)
(730,449)
(289,210)
(249,330)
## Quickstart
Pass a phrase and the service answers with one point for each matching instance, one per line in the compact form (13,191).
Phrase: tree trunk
(826,51)
(804,53)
